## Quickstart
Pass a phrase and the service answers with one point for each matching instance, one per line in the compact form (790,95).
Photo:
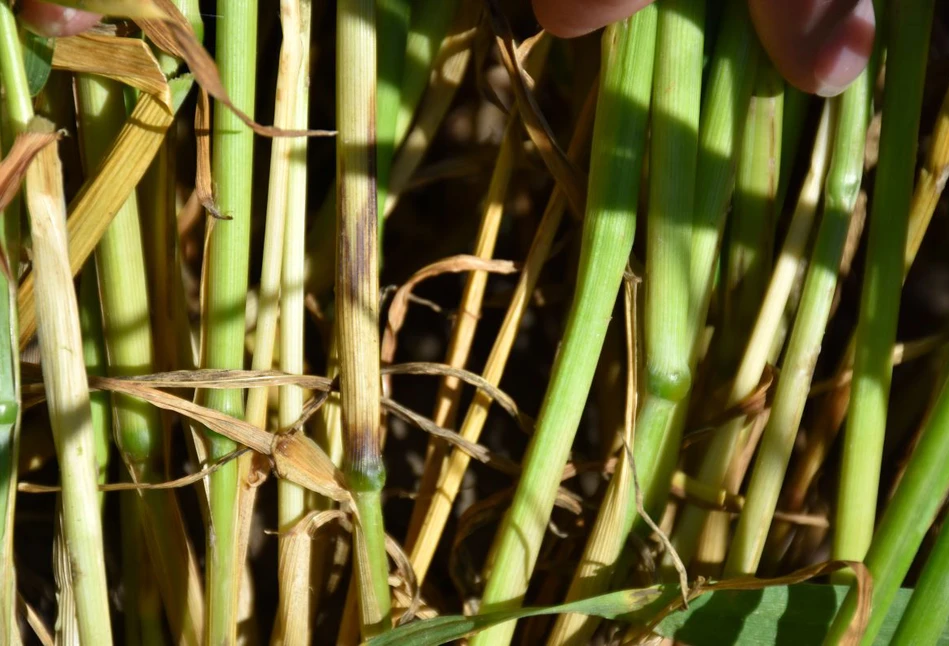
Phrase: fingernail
(847,51)
(846,67)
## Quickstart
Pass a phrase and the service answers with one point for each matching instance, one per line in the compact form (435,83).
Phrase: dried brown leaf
(104,193)
(400,302)
(569,178)
(127,60)
(203,184)
(40,133)
(29,487)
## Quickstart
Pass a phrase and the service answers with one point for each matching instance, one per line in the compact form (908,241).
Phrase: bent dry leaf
(127,60)
(570,179)
(400,302)
(39,134)
(104,193)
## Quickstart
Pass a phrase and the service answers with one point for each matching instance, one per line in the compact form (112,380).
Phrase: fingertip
(819,47)
(847,52)
(572,18)
(52,20)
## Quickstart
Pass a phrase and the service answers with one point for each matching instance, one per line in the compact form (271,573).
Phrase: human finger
(47,19)
(819,46)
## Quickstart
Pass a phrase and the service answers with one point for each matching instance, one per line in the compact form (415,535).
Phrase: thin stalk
(684,233)
(17,111)
(357,302)
(929,188)
(905,522)
(123,292)
(451,475)
(796,104)
(603,548)
(924,619)
(295,613)
(843,184)
(450,66)
(749,256)
(66,388)
(225,291)
(755,181)
(469,315)
(392,27)
(427,28)
(714,151)
(608,231)
(94,357)
(469,309)
(907,50)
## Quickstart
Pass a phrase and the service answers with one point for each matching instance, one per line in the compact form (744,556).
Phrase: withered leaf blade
(127,60)
(40,133)
(104,193)
(299,459)
(400,302)
(569,178)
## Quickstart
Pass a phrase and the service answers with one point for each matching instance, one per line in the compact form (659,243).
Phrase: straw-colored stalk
(842,186)
(452,473)
(16,113)
(469,310)
(123,293)
(295,612)
(448,72)
(357,303)
(224,286)
(67,393)
(265,336)
(907,50)
(462,335)
(609,227)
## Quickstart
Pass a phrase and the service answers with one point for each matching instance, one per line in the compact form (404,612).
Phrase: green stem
(609,227)
(925,617)
(94,356)
(751,238)
(392,26)
(123,292)
(427,28)
(9,364)
(843,184)
(908,517)
(908,48)
(225,278)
